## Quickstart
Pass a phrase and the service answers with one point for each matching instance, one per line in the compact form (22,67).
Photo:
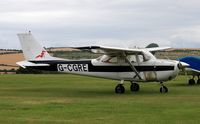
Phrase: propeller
(182,66)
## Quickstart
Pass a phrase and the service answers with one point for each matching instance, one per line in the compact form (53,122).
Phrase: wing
(157,49)
(117,50)
(109,50)
(193,62)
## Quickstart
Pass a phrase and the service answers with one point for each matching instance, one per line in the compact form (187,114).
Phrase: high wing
(155,49)
(108,50)
(117,50)
(193,62)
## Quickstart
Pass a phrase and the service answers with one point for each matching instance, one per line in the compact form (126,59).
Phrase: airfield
(72,99)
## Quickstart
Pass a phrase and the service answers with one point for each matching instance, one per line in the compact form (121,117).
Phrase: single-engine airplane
(193,68)
(123,64)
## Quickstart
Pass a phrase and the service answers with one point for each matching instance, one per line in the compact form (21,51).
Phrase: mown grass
(64,98)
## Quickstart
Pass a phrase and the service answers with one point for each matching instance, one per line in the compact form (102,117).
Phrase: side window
(113,60)
(108,59)
(102,58)
(148,56)
(136,58)
(141,58)
(132,58)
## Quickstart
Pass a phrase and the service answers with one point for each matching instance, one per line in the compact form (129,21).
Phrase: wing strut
(132,66)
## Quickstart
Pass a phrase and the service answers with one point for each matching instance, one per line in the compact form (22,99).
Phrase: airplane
(122,64)
(193,68)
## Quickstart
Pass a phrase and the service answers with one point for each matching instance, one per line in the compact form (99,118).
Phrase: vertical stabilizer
(32,50)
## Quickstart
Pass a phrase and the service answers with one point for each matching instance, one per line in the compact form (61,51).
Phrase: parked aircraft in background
(193,68)
(123,64)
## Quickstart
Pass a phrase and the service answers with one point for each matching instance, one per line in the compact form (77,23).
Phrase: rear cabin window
(132,58)
(136,58)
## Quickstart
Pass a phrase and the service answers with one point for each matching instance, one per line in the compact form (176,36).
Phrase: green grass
(74,99)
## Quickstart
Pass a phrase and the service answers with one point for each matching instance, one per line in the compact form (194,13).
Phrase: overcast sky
(126,23)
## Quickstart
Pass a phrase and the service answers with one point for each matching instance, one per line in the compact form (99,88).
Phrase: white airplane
(123,64)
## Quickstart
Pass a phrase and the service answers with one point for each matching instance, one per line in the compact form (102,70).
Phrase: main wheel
(119,89)
(163,89)
(198,81)
(191,82)
(134,87)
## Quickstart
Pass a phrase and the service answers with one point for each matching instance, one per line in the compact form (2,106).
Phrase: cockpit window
(132,58)
(141,58)
(136,58)
(148,56)
(107,59)
(113,60)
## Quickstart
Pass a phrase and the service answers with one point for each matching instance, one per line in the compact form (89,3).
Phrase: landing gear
(134,87)
(120,88)
(191,82)
(198,81)
(163,89)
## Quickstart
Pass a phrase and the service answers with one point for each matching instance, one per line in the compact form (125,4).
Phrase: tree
(152,45)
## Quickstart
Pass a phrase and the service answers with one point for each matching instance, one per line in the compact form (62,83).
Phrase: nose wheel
(163,89)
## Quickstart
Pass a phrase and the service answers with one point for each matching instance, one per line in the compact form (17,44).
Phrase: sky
(122,23)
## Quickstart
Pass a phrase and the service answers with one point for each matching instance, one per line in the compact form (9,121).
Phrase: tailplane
(32,50)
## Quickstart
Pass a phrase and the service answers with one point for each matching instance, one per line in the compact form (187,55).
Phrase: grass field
(65,98)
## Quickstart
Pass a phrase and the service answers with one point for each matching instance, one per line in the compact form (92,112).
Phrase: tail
(32,50)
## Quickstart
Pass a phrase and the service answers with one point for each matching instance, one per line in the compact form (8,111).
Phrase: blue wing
(194,63)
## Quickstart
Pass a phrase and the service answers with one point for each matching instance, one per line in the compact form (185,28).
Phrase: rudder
(32,50)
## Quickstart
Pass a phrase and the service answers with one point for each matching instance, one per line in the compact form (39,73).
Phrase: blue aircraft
(193,68)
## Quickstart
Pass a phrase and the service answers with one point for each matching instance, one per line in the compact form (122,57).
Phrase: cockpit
(133,58)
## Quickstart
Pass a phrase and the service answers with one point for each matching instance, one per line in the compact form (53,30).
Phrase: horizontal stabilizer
(25,64)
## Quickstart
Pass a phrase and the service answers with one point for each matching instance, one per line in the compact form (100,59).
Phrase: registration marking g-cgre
(73,67)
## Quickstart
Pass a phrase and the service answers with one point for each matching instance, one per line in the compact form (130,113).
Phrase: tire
(134,87)
(163,89)
(198,81)
(119,89)
(191,82)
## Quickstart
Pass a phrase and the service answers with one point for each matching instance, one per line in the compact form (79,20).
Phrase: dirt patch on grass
(8,61)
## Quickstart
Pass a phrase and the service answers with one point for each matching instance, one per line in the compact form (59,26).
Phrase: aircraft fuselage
(159,70)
